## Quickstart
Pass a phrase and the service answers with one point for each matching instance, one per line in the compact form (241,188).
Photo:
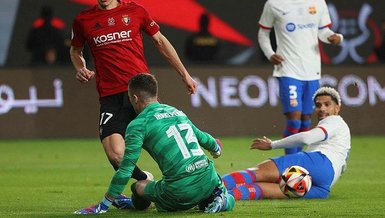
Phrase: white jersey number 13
(174,131)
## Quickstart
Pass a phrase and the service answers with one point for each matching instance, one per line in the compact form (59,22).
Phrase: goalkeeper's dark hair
(144,86)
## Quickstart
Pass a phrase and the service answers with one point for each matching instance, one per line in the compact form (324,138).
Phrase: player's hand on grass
(102,207)
(261,143)
(218,152)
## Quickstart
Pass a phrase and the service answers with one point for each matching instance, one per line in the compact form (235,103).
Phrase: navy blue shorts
(319,166)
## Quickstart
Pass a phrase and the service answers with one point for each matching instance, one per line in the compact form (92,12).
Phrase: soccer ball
(295,182)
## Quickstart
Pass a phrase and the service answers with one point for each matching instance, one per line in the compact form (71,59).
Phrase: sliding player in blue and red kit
(326,156)
(113,32)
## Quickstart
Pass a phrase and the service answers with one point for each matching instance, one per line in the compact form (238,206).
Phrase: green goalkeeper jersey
(173,142)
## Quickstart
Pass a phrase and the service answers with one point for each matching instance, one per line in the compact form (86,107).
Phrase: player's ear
(135,98)
(337,109)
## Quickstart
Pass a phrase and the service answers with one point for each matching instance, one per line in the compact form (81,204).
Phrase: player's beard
(322,116)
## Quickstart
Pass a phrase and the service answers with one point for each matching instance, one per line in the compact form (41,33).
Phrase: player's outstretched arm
(299,139)
(170,54)
(261,143)
(214,146)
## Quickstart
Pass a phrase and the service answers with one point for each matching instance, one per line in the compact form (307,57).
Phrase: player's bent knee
(139,202)
(115,162)
(133,188)
(140,186)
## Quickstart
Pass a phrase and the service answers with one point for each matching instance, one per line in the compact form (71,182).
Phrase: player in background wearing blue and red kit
(113,31)
(298,24)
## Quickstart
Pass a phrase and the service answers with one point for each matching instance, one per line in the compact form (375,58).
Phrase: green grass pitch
(53,178)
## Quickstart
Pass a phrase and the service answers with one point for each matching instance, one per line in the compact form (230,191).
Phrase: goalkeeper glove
(102,207)
(218,151)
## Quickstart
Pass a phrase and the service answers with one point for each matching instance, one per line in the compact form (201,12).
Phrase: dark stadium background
(362,80)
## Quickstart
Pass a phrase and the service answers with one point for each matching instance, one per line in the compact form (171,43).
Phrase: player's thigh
(290,94)
(271,190)
(163,199)
(116,112)
(309,89)
(298,159)
(140,187)
(266,171)
(316,163)
(176,196)
(114,145)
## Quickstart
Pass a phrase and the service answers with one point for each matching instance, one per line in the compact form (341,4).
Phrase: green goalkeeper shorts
(182,194)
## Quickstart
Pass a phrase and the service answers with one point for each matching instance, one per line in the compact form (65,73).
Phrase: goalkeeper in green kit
(173,141)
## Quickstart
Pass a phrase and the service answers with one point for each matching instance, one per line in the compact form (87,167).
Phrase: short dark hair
(143,85)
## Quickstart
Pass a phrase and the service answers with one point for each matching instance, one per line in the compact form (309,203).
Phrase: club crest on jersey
(126,19)
(111,21)
(293,102)
(312,10)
